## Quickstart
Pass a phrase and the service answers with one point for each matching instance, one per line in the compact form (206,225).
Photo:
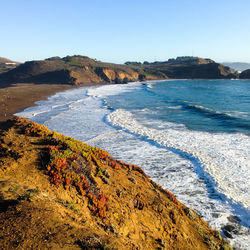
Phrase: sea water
(190,136)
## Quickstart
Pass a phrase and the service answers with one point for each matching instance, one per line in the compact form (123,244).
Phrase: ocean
(190,136)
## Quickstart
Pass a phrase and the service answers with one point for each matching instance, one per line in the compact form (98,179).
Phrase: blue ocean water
(190,136)
(213,106)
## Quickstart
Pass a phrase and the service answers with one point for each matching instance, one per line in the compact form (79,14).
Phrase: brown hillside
(72,70)
(77,69)
(7,64)
(59,193)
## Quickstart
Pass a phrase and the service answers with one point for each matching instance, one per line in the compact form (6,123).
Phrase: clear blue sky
(122,30)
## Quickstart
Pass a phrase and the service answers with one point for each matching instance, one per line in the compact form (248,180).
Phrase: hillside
(76,70)
(70,70)
(59,193)
(245,74)
(7,64)
(191,68)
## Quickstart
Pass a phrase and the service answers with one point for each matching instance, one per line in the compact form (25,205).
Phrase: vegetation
(78,69)
(74,195)
(29,194)
(70,163)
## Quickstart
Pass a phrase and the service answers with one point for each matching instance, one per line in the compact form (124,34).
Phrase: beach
(16,97)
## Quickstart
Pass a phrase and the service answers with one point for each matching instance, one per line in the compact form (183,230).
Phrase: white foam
(226,157)
(175,107)
(109,90)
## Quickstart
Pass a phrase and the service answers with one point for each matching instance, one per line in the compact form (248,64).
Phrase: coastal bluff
(76,70)
(57,192)
(245,74)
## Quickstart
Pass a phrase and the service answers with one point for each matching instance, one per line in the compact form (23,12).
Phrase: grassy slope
(56,192)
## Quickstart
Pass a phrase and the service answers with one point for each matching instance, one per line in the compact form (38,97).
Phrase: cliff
(57,192)
(75,70)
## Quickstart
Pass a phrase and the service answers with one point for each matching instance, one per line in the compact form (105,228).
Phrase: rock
(132,179)
(190,213)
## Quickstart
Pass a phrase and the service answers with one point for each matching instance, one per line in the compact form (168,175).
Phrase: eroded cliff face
(112,75)
(84,76)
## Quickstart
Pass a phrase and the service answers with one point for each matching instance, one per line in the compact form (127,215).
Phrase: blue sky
(131,30)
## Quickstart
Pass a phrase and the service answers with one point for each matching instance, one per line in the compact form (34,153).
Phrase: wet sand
(20,96)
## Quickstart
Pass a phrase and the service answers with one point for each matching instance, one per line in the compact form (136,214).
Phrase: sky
(125,30)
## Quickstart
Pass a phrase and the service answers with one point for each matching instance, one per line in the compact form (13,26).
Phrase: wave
(224,156)
(175,107)
(101,136)
(109,90)
(210,112)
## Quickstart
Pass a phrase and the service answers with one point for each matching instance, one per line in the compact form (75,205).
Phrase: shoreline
(76,87)
(17,97)
(25,95)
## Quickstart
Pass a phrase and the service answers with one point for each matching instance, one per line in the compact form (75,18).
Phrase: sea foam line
(228,166)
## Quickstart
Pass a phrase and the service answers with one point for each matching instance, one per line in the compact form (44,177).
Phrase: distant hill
(239,66)
(191,68)
(79,69)
(6,60)
(7,64)
(245,74)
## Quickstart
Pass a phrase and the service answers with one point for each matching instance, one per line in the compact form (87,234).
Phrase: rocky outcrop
(245,74)
(110,75)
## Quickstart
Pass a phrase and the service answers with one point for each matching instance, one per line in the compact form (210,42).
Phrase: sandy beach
(17,97)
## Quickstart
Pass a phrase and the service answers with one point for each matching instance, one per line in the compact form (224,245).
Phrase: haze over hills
(239,66)
(81,69)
